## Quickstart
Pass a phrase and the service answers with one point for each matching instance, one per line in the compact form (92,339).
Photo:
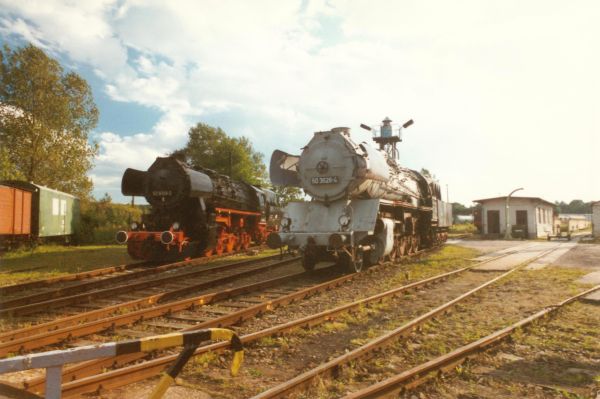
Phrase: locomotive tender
(194,212)
(365,207)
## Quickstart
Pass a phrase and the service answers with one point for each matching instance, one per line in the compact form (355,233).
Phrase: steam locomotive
(365,206)
(194,212)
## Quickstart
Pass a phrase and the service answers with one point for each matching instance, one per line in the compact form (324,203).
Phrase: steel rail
(85,285)
(93,314)
(421,373)
(33,341)
(145,370)
(82,379)
(88,296)
(9,289)
(91,368)
(295,383)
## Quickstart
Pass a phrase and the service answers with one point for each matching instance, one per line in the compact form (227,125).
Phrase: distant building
(530,217)
(463,218)
(574,222)
(596,219)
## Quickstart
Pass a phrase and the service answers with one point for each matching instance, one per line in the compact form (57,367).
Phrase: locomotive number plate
(162,193)
(324,180)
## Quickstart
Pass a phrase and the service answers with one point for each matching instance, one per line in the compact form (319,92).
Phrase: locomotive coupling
(337,240)
(274,241)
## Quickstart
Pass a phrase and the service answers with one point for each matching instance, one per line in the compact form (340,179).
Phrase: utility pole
(507,232)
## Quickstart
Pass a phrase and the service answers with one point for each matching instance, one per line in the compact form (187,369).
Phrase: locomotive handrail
(53,361)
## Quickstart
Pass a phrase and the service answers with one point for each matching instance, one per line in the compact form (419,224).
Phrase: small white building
(531,215)
(596,219)
(575,222)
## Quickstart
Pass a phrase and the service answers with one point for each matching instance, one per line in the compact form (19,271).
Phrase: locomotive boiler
(194,212)
(365,206)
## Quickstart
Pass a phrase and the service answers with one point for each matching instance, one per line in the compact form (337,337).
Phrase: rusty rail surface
(93,284)
(145,370)
(53,361)
(96,314)
(301,380)
(9,289)
(422,373)
(80,378)
(86,297)
(28,340)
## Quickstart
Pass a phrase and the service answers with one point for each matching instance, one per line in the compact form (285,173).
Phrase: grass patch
(463,228)
(57,260)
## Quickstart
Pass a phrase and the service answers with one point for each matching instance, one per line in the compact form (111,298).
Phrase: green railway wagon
(58,213)
(54,214)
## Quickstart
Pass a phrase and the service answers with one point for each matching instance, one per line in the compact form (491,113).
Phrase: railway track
(297,383)
(181,314)
(422,373)
(77,282)
(84,378)
(178,283)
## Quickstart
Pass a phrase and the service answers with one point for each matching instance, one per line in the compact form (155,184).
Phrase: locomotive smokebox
(167,183)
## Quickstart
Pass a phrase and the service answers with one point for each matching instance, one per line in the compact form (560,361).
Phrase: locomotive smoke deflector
(283,169)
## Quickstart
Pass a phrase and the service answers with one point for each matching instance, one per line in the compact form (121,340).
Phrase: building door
(522,218)
(493,220)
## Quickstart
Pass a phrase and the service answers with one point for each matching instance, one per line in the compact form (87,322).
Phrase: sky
(504,94)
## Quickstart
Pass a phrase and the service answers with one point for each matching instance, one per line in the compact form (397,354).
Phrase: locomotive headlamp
(176,226)
(134,226)
(121,237)
(167,237)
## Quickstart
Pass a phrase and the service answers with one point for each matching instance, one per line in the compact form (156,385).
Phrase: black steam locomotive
(195,212)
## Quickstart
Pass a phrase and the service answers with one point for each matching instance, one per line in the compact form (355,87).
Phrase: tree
(211,148)
(287,194)
(576,206)
(45,117)
(8,171)
(460,209)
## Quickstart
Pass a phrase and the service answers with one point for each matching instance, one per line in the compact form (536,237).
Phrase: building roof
(586,216)
(32,187)
(525,198)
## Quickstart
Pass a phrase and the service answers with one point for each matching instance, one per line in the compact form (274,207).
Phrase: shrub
(100,220)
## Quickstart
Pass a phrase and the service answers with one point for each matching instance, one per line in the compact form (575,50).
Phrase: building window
(543,216)
(55,206)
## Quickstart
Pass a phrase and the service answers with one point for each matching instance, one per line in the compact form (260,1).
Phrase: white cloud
(500,92)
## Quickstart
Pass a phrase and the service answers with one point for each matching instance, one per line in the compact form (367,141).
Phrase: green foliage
(100,220)
(463,228)
(575,206)
(45,117)
(211,148)
(8,170)
(460,209)
(287,194)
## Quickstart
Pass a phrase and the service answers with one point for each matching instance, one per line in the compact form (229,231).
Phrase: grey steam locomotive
(365,207)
